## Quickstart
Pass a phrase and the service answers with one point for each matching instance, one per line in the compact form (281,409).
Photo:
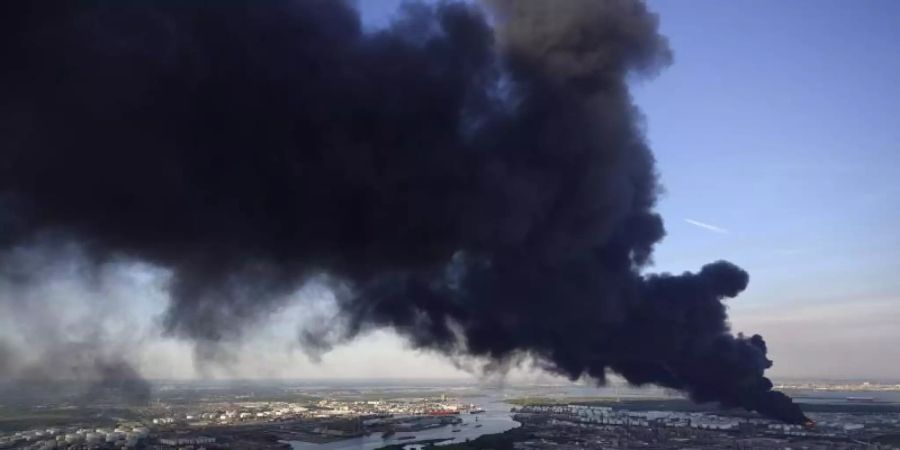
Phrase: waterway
(496,418)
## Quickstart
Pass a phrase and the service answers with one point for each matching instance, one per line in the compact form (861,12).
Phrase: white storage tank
(94,438)
(115,436)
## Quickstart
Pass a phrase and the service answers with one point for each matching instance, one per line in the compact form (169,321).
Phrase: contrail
(707,226)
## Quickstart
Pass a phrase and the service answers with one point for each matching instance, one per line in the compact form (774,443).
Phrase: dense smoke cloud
(481,186)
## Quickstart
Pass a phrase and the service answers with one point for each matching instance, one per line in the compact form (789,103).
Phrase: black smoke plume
(473,176)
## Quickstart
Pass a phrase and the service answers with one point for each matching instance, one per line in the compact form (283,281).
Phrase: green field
(18,420)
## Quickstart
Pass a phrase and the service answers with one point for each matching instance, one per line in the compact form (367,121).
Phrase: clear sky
(777,134)
(779,122)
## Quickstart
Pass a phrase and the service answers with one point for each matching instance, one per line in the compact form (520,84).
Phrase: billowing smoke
(473,176)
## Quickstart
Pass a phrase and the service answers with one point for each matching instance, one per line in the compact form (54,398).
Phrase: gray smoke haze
(481,186)
(63,327)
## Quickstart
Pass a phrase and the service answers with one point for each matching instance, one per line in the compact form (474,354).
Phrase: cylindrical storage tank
(93,438)
(115,436)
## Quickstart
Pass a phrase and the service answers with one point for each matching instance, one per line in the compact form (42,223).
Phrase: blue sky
(780,122)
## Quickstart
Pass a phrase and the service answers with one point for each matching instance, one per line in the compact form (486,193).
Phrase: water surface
(495,419)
